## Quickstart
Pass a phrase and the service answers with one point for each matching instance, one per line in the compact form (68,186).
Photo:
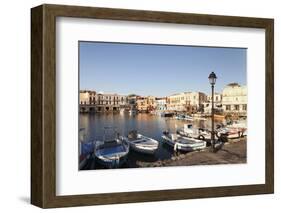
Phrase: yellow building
(86,97)
(146,104)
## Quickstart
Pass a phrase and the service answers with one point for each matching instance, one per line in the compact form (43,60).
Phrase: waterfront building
(110,102)
(86,96)
(161,104)
(146,104)
(151,101)
(186,102)
(90,101)
(132,102)
(234,99)
(142,104)
(217,103)
(217,98)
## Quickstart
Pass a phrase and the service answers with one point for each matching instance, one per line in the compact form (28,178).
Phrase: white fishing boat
(233,129)
(197,133)
(111,153)
(200,118)
(231,132)
(141,143)
(237,124)
(188,118)
(183,143)
(132,112)
(184,117)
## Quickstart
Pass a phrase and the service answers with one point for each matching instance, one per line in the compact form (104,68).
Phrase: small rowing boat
(111,153)
(141,143)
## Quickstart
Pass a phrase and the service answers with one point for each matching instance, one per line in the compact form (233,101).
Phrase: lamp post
(212,79)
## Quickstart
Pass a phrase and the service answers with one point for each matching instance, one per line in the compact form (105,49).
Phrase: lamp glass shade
(212,78)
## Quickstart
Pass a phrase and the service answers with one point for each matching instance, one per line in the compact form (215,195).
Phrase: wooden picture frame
(43,105)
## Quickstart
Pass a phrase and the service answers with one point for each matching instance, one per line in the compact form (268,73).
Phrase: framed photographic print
(137,106)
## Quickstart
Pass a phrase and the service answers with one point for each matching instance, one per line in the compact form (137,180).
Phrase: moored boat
(237,124)
(111,153)
(183,143)
(86,149)
(200,118)
(167,114)
(141,143)
(189,131)
(132,112)
(184,117)
(230,132)
(233,129)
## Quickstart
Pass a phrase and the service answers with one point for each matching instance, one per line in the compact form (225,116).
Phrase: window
(227,107)
(236,107)
(244,106)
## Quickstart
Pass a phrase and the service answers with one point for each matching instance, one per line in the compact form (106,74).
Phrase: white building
(90,101)
(161,104)
(109,102)
(234,98)
(217,103)
(186,101)
(217,98)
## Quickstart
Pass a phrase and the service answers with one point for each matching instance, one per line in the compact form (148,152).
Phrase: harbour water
(146,124)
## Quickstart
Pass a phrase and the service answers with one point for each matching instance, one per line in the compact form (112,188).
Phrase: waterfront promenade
(233,152)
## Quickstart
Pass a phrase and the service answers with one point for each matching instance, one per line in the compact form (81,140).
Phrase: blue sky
(158,70)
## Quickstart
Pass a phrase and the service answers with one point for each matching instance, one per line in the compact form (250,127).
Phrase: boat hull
(116,163)
(143,144)
(111,155)
(232,133)
(143,150)
(182,146)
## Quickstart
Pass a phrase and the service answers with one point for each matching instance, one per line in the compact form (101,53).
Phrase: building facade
(234,99)
(142,105)
(217,103)
(146,104)
(217,98)
(161,104)
(132,102)
(90,101)
(186,102)
(86,97)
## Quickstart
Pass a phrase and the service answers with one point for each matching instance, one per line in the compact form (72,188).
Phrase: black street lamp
(212,79)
